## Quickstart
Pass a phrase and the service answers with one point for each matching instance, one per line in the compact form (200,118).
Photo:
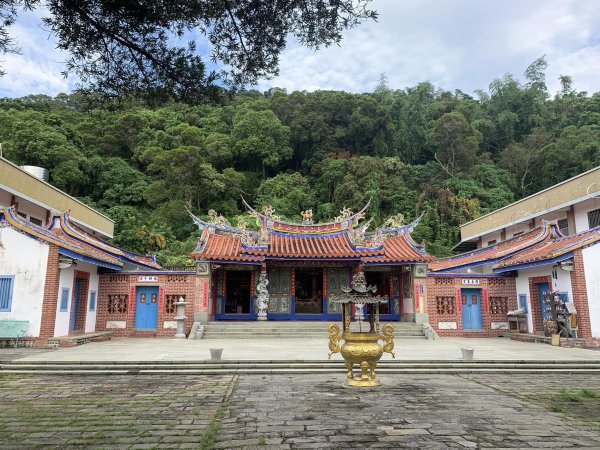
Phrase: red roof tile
(230,248)
(552,247)
(494,252)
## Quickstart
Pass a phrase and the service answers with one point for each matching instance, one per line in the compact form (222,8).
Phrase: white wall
(490,237)
(562,284)
(61,327)
(581,210)
(591,261)
(25,258)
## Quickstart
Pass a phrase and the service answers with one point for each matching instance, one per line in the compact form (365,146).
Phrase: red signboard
(204,293)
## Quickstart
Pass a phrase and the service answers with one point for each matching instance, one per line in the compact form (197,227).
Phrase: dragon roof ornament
(346,219)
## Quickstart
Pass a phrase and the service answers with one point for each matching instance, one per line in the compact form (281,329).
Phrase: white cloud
(457,44)
(37,70)
(463,44)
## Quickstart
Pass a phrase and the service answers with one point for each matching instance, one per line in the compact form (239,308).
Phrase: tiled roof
(218,247)
(77,242)
(400,249)
(493,253)
(551,248)
(223,248)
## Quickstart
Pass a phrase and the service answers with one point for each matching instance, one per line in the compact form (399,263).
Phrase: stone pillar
(263,294)
(180,318)
(420,293)
(202,303)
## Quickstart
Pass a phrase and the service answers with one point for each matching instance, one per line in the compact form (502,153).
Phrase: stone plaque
(122,324)
(170,324)
(447,325)
(499,325)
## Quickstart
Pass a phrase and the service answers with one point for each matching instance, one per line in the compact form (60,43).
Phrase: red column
(50,300)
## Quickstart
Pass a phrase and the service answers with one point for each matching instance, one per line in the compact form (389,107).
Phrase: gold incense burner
(361,348)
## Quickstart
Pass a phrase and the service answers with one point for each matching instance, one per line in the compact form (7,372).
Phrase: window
(492,242)
(92,300)
(64,300)
(35,221)
(22,214)
(523,302)
(564,297)
(6,292)
(518,234)
(594,218)
(563,226)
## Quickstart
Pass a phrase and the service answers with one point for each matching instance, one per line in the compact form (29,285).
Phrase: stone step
(306,371)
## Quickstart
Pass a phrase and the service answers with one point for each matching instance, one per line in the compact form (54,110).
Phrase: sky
(454,44)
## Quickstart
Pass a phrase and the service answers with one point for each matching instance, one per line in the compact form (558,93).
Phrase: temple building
(306,264)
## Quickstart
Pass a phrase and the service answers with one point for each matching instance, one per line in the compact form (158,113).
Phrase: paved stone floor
(284,412)
(138,349)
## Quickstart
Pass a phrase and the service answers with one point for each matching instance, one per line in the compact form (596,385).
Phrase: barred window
(170,301)
(563,226)
(594,218)
(445,305)
(499,305)
(117,304)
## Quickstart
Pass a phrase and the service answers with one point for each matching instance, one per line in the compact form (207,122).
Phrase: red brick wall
(50,301)
(580,297)
(169,284)
(451,286)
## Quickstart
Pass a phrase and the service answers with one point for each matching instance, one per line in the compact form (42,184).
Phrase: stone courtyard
(299,411)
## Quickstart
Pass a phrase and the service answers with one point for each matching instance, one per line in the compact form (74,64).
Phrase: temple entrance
(309,291)
(237,288)
(387,283)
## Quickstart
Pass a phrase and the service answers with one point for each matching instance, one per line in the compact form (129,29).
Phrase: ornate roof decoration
(552,249)
(500,251)
(75,242)
(277,239)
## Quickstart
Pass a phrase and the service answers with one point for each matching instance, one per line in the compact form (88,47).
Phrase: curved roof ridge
(300,224)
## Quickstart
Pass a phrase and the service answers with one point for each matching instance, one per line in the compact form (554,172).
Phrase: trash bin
(215,353)
(556,340)
(467,353)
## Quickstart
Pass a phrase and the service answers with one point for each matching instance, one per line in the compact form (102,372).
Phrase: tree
(456,142)
(261,139)
(137,48)
(288,194)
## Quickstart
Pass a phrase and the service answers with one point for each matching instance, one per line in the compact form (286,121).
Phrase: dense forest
(448,154)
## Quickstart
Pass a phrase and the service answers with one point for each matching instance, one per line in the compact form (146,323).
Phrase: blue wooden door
(146,310)
(471,309)
(543,288)
(74,303)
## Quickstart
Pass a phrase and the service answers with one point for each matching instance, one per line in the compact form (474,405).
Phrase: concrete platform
(180,350)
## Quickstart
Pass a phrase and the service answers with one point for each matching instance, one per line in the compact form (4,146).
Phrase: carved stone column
(263,293)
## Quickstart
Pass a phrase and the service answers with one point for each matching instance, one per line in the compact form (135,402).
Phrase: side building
(516,256)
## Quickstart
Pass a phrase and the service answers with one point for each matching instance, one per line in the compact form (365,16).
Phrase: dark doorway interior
(309,291)
(238,292)
(382,281)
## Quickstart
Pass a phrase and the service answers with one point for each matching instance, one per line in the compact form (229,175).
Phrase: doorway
(309,291)
(146,311)
(79,303)
(237,290)
(471,309)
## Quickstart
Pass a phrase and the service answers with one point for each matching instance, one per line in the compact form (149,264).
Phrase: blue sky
(455,44)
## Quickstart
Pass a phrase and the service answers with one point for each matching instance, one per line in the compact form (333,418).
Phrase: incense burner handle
(334,339)
(388,339)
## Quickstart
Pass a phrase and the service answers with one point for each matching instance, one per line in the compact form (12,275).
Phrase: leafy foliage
(411,151)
